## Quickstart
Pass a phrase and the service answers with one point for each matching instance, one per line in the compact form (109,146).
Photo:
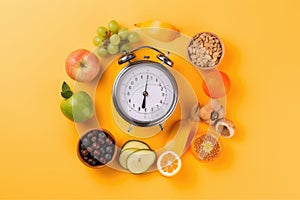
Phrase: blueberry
(90,135)
(108,141)
(101,135)
(90,160)
(108,157)
(94,139)
(94,162)
(85,158)
(85,141)
(82,146)
(101,141)
(84,152)
(90,149)
(102,151)
(109,149)
(96,153)
(96,145)
(102,160)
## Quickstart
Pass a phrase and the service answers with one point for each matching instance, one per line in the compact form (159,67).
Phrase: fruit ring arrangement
(97,147)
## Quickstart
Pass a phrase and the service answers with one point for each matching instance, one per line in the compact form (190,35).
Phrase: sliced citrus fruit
(168,163)
(206,147)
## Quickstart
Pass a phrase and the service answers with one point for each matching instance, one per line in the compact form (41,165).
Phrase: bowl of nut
(96,148)
(205,50)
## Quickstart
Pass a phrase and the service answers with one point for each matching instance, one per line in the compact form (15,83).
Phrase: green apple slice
(134,144)
(124,156)
(140,161)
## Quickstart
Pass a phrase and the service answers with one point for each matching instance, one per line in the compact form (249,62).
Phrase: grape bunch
(114,39)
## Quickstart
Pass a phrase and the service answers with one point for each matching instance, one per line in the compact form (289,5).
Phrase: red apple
(82,65)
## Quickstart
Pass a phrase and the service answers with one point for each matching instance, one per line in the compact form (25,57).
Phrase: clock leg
(130,127)
(161,127)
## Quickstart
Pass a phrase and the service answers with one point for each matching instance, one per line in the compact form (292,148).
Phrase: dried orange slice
(206,147)
(168,163)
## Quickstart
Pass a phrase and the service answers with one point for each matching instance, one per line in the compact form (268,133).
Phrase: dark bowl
(97,148)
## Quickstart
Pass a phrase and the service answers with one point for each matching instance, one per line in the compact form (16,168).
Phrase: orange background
(38,144)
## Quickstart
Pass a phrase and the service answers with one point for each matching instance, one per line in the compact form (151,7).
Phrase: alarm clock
(145,92)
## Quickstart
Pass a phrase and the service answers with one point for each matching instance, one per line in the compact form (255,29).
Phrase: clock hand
(146,83)
(145,93)
(144,102)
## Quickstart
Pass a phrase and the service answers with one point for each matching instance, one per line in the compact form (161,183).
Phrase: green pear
(78,106)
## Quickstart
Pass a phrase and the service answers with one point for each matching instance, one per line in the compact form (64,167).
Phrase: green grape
(102,31)
(133,37)
(113,26)
(123,33)
(112,49)
(114,39)
(102,52)
(125,47)
(98,40)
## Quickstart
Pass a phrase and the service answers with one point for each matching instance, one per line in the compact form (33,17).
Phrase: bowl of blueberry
(96,148)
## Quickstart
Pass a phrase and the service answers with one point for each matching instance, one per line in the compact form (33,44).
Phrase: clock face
(145,93)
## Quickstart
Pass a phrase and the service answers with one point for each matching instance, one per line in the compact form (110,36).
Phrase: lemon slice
(168,163)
